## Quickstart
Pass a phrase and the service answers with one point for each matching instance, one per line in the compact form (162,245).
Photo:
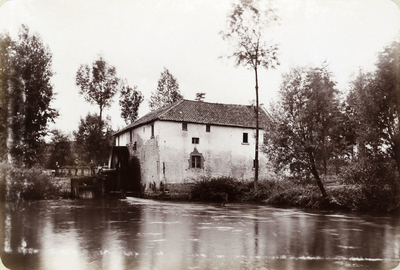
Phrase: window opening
(196,162)
(184,126)
(195,140)
(245,138)
(208,128)
(130,136)
(152,131)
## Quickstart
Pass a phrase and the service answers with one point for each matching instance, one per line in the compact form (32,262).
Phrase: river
(145,234)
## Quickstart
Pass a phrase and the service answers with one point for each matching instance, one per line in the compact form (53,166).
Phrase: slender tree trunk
(314,172)
(257,135)
(9,141)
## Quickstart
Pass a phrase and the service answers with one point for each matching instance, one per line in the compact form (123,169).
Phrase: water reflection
(142,234)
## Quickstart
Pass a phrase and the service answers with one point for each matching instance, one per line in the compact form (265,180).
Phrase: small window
(130,136)
(152,131)
(196,162)
(245,138)
(184,126)
(208,128)
(195,140)
(144,129)
(134,145)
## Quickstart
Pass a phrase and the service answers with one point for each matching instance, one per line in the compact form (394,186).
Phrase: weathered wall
(166,156)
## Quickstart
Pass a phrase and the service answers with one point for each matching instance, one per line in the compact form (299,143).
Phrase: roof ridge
(217,103)
(172,106)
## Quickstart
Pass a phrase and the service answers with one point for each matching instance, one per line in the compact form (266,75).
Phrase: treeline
(26,96)
(318,132)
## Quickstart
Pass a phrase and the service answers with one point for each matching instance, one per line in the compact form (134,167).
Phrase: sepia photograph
(199,134)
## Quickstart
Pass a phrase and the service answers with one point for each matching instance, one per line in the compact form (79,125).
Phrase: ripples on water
(146,234)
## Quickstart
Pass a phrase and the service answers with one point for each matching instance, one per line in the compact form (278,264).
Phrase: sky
(141,38)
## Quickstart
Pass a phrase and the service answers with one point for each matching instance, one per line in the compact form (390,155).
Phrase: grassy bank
(27,184)
(288,192)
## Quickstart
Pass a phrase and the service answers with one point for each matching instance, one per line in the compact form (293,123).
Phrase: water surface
(145,234)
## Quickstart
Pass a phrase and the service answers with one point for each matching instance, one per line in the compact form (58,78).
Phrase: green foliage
(295,195)
(93,139)
(303,133)
(246,26)
(374,101)
(27,184)
(59,150)
(216,189)
(5,44)
(375,185)
(27,91)
(129,101)
(98,84)
(167,91)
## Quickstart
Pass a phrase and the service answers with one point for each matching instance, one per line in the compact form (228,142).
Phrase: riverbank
(291,193)
(35,183)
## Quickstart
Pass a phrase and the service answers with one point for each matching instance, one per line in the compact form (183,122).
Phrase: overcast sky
(140,38)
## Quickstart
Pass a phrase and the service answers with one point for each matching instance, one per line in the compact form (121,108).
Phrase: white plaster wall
(222,148)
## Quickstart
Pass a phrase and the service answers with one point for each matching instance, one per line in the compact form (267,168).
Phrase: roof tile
(204,113)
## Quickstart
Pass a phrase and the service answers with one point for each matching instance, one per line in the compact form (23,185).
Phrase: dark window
(195,140)
(196,161)
(134,146)
(130,136)
(245,138)
(208,128)
(184,126)
(152,131)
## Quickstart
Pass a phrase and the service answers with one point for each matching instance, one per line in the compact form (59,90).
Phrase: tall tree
(246,32)
(5,58)
(375,100)
(130,100)
(304,122)
(167,91)
(98,84)
(90,143)
(27,87)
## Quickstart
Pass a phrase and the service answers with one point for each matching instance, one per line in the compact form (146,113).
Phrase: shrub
(27,184)
(215,189)
(370,185)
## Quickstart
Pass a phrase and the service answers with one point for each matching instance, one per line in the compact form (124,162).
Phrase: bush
(27,184)
(370,185)
(297,195)
(215,189)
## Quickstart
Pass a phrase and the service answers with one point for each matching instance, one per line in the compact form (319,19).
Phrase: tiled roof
(204,113)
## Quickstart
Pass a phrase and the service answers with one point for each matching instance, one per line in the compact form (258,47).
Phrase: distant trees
(130,100)
(374,103)
(167,91)
(93,139)
(246,32)
(98,84)
(59,150)
(303,130)
(26,93)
